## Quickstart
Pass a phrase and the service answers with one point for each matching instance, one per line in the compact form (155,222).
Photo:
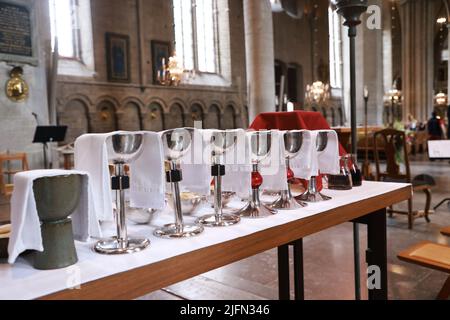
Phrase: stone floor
(329,259)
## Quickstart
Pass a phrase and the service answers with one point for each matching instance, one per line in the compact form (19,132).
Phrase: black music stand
(439,150)
(48,134)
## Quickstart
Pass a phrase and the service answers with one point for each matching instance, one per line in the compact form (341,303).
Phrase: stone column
(448,65)
(371,46)
(259,56)
(417,46)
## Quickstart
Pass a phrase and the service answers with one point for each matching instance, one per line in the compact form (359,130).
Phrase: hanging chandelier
(171,73)
(393,95)
(318,92)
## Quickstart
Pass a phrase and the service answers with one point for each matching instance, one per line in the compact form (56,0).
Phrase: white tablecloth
(21,281)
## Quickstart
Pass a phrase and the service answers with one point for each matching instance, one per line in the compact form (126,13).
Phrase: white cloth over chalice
(310,162)
(147,182)
(25,224)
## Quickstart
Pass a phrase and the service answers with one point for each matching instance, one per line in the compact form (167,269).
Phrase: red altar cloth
(295,120)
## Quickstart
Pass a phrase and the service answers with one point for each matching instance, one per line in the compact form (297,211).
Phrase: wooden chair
(7,188)
(446,231)
(394,140)
(433,256)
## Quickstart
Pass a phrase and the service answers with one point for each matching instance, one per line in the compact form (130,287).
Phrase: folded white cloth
(273,167)
(237,166)
(326,161)
(301,164)
(25,224)
(147,174)
(195,166)
(147,178)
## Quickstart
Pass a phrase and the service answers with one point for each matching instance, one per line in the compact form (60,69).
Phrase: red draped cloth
(295,120)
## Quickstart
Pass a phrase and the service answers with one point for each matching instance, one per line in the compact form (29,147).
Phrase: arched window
(196,34)
(335,23)
(71,25)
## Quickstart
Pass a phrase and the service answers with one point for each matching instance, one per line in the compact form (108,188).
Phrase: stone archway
(229,118)
(105,118)
(175,118)
(340,116)
(196,114)
(212,118)
(333,117)
(153,119)
(246,117)
(129,118)
(75,117)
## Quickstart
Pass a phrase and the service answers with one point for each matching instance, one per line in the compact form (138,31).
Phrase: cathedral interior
(103,66)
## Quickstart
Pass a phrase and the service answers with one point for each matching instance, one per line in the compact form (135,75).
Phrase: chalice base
(224,220)
(171,231)
(253,211)
(288,204)
(312,197)
(114,246)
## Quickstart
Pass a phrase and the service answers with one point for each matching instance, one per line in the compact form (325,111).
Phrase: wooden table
(366,205)
(344,135)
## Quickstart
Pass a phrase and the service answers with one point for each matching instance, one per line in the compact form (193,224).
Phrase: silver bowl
(124,147)
(190,202)
(140,216)
(227,196)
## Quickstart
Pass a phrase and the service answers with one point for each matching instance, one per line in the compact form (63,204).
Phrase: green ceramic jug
(56,199)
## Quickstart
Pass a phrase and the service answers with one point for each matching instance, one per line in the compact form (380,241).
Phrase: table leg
(283,273)
(376,254)
(356,256)
(298,270)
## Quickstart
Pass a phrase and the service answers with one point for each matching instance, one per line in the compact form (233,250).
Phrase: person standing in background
(448,122)
(435,131)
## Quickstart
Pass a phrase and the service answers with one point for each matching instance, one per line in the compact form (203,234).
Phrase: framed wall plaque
(118,57)
(18,32)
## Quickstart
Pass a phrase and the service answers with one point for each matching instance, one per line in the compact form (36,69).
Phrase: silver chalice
(220,142)
(123,148)
(312,194)
(176,144)
(293,141)
(260,148)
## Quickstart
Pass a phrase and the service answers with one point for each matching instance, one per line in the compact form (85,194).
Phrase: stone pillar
(259,56)
(417,46)
(448,66)
(371,74)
